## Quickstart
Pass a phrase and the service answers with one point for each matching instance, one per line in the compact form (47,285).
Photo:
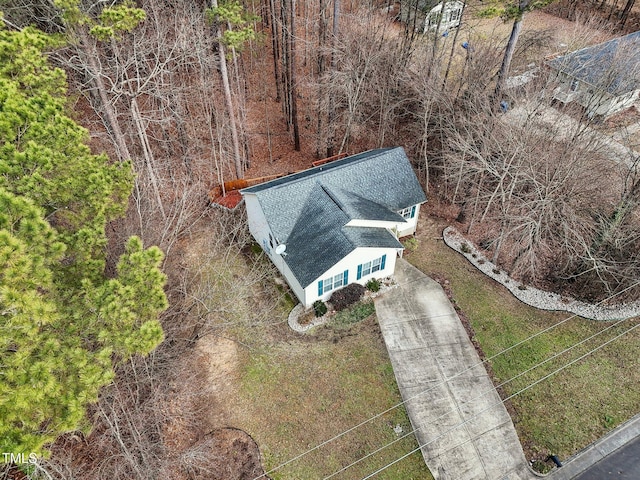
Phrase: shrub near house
(347,296)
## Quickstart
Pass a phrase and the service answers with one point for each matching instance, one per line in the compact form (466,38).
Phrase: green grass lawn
(300,392)
(569,410)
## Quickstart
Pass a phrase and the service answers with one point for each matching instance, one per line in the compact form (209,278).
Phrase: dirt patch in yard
(226,452)
(219,358)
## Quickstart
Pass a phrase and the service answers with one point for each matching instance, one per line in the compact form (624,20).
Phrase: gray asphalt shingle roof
(359,207)
(613,66)
(308,211)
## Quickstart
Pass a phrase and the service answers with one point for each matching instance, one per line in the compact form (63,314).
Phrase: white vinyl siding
(348,267)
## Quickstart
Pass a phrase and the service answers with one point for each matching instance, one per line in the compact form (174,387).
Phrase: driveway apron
(463,428)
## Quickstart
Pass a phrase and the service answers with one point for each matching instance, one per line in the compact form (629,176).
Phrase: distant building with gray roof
(603,78)
(337,223)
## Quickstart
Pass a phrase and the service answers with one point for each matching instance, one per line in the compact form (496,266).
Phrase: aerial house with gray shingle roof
(337,223)
(603,78)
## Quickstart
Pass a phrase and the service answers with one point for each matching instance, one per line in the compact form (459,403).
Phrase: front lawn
(299,392)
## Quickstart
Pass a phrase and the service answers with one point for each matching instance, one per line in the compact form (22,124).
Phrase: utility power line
(484,394)
(399,404)
(531,385)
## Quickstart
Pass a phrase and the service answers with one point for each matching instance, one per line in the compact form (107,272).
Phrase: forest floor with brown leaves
(228,401)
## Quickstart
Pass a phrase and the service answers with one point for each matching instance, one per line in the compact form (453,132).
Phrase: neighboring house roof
(308,211)
(613,66)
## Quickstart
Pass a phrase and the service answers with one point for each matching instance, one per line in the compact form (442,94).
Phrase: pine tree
(63,325)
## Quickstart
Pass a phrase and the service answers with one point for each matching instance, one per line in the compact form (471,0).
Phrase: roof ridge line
(312,172)
(333,197)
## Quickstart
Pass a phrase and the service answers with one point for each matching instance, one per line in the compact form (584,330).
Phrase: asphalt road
(621,464)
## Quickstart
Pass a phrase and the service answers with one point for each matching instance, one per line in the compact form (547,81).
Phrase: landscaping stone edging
(294,315)
(533,296)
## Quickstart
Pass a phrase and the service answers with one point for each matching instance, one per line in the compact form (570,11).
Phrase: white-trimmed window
(366,269)
(373,266)
(408,212)
(331,283)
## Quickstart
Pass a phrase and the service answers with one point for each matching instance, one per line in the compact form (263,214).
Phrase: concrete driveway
(464,430)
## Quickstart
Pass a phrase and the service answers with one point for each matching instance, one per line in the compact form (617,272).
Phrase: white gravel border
(533,296)
(294,315)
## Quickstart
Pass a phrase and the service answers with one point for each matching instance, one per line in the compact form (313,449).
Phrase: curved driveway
(462,426)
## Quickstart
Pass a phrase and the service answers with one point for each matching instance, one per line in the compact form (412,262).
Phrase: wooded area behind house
(178,98)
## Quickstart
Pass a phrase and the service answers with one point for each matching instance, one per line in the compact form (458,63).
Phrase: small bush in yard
(320,308)
(349,295)
(373,285)
(411,244)
(354,314)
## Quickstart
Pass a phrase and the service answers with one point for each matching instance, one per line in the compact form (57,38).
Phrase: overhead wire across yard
(531,385)
(488,392)
(482,362)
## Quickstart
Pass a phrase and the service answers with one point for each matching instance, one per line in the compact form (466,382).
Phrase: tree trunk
(322,42)
(87,45)
(436,37)
(511,47)
(411,23)
(453,46)
(285,52)
(227,97)
(625,13)
(241,95)
(613,10)
(148,154)
(292,82)
(331,121)
(571,10)
(275,44)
